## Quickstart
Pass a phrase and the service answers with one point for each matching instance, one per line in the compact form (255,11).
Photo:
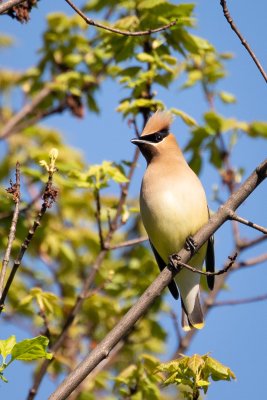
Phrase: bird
(173,208)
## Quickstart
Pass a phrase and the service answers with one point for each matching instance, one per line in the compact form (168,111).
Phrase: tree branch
(15,191)
(49,197)
(154,290)
(235,217)
(127,243)
(242,39)
(244,243)
(9,4)
(251,261)
(240,301)
(98,219)
(90,21)
(176,326)
(26,110)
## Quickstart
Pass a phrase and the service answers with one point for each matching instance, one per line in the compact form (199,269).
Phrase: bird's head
(156,138)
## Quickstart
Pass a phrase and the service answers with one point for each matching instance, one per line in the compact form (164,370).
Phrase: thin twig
(133,122)
(176,325)
(15,191)
(98,219)
(251,261)
(49,197)
(9,4)
(241,37)
(244,221)
(245,243)
(128,243)
(40,115)
(240,301)
(103,349)
(90,21)
(43,315)
(26,110)
(177,264)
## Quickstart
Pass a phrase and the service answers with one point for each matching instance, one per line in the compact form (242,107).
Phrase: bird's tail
(194,319)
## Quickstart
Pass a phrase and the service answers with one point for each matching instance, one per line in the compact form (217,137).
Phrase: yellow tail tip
(188,328)
(199,326)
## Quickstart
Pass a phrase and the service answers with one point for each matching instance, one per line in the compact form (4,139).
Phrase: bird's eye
(159,137)
(156,137)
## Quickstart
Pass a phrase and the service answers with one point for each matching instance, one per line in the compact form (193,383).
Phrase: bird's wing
(172,285)
(210,261)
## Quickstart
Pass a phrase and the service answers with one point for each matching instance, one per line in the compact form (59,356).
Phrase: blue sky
(234,335)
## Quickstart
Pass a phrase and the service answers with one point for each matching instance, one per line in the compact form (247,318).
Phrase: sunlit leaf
(31,349)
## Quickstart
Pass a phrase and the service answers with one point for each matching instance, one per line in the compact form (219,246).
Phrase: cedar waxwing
(173,208)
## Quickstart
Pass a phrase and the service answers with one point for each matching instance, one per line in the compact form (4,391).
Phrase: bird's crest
(159,121)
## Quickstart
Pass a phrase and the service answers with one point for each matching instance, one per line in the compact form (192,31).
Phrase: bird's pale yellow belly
(171,214)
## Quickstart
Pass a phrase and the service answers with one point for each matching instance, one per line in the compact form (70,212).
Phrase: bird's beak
(137,141)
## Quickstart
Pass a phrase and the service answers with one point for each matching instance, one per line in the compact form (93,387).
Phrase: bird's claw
(190,244)
(173,260)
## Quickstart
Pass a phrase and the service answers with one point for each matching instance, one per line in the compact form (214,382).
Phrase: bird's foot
(174,261)
(190,244)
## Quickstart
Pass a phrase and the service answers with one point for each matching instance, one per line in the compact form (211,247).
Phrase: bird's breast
(172,208)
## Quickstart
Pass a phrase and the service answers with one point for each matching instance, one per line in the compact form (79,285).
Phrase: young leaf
(217,370)
(31,349)
(195,363)
(227,97)
(3,378)
(144,57)
(258,129)
(6,347)
(188,120)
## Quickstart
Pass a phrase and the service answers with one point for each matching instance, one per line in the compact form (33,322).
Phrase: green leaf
(202,44)
(195,363)
(202,383)
(126,375)
(195,44)
(92,104)
(127,107)
(127,23)
(192,78)
(174,365)
(190,121)
(145,57)
(6,347)
(71,60)
(227,97)
(129,72)
(150,361)
(148,4)
(258,129)
(3,378)
(169,59)
(215,154)
(196,162)
(217,370)
(214,120)
(31,349)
